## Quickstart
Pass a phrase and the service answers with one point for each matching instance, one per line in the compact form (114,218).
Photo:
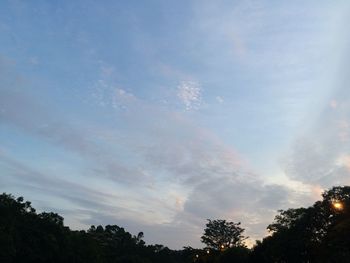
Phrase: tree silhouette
(26,236)
(319,233)
(220,234)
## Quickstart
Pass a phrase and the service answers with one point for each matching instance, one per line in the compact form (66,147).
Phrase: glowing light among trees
(338,205)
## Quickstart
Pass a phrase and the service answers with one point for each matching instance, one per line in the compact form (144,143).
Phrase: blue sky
(157,115)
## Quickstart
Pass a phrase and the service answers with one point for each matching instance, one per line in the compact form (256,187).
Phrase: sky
(158,115)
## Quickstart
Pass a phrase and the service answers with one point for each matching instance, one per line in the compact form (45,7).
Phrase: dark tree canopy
(286,219)
(220,234)
(319,233)
(26,236)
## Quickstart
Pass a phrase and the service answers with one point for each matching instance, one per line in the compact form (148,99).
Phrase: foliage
(220,234)
(319,233)
(26,236)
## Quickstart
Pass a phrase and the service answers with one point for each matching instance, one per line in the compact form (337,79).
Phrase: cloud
(249,201)
(150,166)
(96,204)
(344,130)
(169,172)
(219,99)
(38,119)
(189,93)
(333,104)
(344,161)
(319,157)
(181,169)
(22,175)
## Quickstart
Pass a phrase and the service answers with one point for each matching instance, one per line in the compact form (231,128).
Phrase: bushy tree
(220,234)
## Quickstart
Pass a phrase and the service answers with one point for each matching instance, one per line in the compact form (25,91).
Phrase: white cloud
(190,94)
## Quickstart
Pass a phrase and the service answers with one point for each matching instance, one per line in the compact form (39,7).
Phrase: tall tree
(220,234)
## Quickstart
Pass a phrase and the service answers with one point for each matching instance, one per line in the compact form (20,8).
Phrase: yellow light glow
(338,205)
(222,246)
(208,251)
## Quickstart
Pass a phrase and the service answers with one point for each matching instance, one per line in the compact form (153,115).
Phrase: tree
(28,236)
(315,234)
(286,219)
(220,234)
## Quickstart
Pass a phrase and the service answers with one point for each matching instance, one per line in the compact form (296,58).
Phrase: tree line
(319,233)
